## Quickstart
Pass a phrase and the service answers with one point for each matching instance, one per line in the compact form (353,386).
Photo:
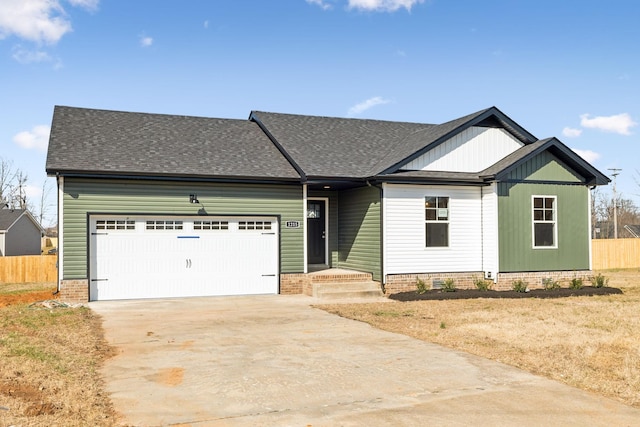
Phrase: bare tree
(7,178)
(19,200)
(44,201)
(602,216)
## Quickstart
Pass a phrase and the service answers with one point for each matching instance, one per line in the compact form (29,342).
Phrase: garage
(169,256)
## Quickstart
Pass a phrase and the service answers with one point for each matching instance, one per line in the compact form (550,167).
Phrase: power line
(614,173)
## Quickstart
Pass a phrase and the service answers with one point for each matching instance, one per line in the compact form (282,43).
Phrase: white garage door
(161,257)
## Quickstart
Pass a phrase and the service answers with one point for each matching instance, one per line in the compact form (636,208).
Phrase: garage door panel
(152,263)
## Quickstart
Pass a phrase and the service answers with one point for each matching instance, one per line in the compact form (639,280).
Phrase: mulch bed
(475,293)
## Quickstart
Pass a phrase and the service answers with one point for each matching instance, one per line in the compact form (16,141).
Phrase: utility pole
(614,173)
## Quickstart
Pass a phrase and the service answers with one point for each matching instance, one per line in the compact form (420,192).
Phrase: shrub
(599,280)
(520,286)
(449,285)
(482,284)
(576,283)
(421,286)
(549,284)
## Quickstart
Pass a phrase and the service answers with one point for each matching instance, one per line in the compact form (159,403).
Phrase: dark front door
(316,232)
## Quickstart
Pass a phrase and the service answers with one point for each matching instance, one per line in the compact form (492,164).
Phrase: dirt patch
(25,298)
(25,293)
(169,376)
(439,295)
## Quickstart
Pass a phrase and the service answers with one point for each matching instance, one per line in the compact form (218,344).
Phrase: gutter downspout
(59,263)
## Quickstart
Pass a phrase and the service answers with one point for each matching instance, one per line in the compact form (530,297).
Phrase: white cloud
(588,155)
(206,24)
(364,106)
(40,21)
(619,123)
(37,138)
(382,5)
(25,56)
(85,4)
(146,41)
(321,3)
(32,192)
(571,132)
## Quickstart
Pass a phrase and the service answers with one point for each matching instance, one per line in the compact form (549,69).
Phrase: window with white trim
(164,225)
(210,225)
(115,224)
(544,221)
(436,215)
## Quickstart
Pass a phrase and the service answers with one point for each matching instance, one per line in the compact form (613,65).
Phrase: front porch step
(349,289)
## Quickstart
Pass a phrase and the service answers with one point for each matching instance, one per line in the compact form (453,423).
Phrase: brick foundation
(407,282)
(534,279)
(74,291)
(298,283)
(301,283)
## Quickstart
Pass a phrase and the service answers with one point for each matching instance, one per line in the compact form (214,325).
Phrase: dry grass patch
(49,362)
(588,342)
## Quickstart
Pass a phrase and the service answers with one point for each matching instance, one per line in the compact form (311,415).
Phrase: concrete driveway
(275,361)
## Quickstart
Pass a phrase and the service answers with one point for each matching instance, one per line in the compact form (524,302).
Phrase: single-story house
(154,205)
(20,233)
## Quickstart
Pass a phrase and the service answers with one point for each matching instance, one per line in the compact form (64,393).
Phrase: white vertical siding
(404,230)
(472,150)
(490,230)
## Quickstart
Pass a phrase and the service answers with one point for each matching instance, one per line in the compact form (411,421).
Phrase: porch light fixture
(193,198)
(326,187)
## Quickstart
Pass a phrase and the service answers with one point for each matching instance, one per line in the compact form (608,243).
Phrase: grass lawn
(49,362)
(590,342)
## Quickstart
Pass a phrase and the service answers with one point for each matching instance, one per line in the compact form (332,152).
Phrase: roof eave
(430,180)
(169,177)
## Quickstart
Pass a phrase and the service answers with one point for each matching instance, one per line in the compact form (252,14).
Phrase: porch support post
(304,226)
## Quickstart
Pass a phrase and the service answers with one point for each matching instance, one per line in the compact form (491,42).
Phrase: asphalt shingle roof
(8,217)
(338,147)
(272,146)
(114,142)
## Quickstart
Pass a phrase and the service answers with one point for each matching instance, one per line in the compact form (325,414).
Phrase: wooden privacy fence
(615,253)
(29,268)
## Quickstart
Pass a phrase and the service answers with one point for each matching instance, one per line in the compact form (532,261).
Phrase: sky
(569,69)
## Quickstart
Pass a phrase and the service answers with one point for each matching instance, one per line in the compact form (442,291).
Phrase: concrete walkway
(274,361)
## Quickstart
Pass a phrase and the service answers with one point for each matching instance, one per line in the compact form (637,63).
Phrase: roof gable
(490,117)
(472,150)
(124,143)
(9,217)
(579,167)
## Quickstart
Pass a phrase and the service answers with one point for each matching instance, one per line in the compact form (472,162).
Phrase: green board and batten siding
(172,198)
(359,225)
(515,217)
